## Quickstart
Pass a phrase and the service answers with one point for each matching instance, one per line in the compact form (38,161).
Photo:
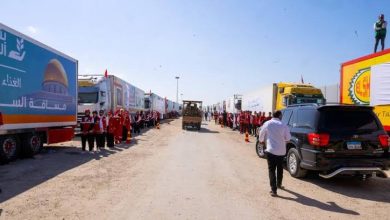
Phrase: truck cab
(291,93)
(92,94)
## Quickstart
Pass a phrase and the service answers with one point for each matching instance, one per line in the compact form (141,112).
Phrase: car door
(303,122)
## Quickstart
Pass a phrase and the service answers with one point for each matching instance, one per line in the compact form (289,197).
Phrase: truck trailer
(279,95)
(233,104)
(154,102)
(38,95)
(108,93)
(366,81)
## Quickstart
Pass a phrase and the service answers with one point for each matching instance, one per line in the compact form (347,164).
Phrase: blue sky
(218,48)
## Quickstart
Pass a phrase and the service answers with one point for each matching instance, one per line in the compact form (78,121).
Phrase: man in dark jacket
(380,32)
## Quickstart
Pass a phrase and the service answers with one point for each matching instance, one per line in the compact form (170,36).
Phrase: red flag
(106,74)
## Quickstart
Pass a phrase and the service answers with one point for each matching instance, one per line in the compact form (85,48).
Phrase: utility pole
(177,88)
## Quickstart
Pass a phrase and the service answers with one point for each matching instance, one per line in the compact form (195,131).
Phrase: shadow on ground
(202,130)
(373,189)
(21,175)
(329,206)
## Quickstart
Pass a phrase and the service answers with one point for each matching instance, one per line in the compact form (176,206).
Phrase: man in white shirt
(276,134)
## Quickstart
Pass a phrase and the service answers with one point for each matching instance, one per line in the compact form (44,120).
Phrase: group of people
(245,121)
(113,128)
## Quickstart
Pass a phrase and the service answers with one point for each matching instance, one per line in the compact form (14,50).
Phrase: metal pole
(177,89)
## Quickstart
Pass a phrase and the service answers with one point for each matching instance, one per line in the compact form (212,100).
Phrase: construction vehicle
(192,114)
(280,95)
(38,95)
(366,81)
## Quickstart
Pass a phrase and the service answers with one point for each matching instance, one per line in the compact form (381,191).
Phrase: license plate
(354,145)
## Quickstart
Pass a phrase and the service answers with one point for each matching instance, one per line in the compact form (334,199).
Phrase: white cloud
(32,29)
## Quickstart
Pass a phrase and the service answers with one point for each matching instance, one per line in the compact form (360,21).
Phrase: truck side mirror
(285,101)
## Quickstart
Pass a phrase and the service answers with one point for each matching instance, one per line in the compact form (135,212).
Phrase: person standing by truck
(275,134)
(95,131)
(380,32)
(100,140)
(86,122)
(110,129)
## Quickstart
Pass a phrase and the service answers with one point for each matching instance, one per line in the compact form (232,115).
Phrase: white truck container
(154,102)
(108,93)
(280,95)
(259,100)
(331,93)
(233,104)
(38,95)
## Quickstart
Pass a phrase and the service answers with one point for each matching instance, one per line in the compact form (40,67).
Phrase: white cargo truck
(38,95)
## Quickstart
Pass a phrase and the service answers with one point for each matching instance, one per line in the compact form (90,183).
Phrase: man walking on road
(380,32)
(277,134)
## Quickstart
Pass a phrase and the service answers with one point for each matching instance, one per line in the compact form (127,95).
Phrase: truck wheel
(260,150)
(294,164)
(32,144)
(9,148)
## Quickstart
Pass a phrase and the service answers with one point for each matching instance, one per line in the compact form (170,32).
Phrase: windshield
(90,97)
(302,100)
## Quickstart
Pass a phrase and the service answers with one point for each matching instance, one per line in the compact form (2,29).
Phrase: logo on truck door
(359,87)
(17,54)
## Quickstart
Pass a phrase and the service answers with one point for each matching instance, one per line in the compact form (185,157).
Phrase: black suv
(335,139)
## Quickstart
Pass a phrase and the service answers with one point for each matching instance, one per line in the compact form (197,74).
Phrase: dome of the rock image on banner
(55,79)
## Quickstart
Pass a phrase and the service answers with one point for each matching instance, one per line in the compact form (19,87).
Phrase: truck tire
(294,164)
(9,148)
(31,144)
(260,150)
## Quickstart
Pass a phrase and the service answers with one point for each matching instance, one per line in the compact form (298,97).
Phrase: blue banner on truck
(37,83)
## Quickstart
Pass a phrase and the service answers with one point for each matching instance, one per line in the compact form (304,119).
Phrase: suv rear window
(305,118)
(347,120)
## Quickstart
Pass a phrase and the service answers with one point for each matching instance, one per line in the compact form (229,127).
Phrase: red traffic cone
(246,136)
(128,140)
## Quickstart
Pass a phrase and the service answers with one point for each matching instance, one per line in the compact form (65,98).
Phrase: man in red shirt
(262,119)
(100,140)
(85,125)
(255,124)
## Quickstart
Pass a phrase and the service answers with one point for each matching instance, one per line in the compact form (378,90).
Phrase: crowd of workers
(108,129)
(245,121)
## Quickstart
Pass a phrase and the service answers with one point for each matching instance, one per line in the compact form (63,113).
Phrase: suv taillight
(319,140)
(384,140)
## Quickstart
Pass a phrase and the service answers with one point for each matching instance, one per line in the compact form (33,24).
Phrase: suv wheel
(260,150)
(293,164)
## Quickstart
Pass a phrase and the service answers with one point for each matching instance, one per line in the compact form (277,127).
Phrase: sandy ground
(175,174)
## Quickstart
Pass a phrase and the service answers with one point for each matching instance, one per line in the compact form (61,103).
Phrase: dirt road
(175,174)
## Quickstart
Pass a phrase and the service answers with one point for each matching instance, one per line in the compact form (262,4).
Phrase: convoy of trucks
(42,94)
(109,93)
(279,95)
(366,81)
(38,101)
